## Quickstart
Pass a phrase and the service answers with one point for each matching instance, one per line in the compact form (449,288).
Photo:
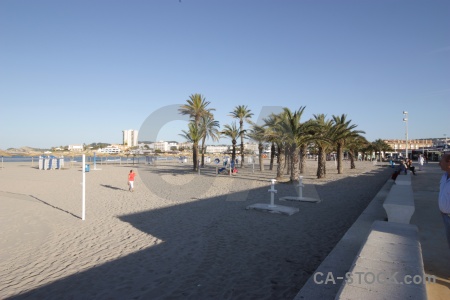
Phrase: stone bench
(403,179)
(399,204)
(388,266)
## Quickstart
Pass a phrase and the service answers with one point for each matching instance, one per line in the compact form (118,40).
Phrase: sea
(36,158)
(30,159)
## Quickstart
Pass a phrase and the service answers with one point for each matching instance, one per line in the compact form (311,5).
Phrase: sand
(179,235)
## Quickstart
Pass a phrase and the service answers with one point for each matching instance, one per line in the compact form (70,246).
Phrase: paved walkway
(435,251)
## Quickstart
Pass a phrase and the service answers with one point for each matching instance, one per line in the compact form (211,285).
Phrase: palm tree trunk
(233,153)
(241,125)
(261,162)
(302,163)
(352,159)
(321,164)
(339,158)
(203,151)
(287,159)
(195,156)
(294,163)
(280,167)
(272,155)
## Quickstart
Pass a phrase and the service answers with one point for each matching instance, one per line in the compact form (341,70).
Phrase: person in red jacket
(131,180)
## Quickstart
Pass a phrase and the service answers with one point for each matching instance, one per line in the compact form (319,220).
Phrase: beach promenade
(182,235)
(435,251)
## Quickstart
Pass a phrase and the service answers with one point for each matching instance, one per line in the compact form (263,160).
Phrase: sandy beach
(179,235)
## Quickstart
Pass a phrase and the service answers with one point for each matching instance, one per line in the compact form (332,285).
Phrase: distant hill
(24,150)
(4,153)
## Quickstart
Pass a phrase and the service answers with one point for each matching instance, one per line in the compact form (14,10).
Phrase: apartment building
(130,137)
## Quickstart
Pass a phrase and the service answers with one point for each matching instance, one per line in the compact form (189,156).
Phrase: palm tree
(343,132)
(193,135)
(354,144)
(276,134)
(257,133)
(196,107)
(381,146)
(242,113)
(385,147)
(323,139)
(233,133)
(209,128)
(369,148)
(290,125)
(306,138)
(271,136)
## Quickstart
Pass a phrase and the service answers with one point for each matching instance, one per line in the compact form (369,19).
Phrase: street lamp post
(405,119)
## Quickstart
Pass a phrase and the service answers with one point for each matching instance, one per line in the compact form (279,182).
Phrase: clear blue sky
(83,71)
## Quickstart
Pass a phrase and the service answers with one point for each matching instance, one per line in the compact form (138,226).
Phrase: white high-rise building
(130,137)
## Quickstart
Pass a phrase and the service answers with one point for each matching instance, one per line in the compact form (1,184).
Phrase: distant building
(185,145)
(145,146)
(173,145)
(161,146)
(76,148)
(400,145)
(225,148)
(216,149)
(130,137)
(111,149)
(252,147)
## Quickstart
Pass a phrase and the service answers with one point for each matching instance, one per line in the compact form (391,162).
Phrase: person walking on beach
(131,180)
(444,193)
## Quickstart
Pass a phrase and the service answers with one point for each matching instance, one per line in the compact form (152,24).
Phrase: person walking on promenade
(444,193)
(421,161)
(131,180)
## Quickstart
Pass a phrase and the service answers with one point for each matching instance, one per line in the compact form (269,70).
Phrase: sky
(76,72)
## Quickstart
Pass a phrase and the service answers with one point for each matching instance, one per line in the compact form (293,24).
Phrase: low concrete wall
(399,204)
(390,239)
(340,259)
(389,265)
(403,179)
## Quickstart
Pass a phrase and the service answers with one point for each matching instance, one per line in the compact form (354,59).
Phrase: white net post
(83,194)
